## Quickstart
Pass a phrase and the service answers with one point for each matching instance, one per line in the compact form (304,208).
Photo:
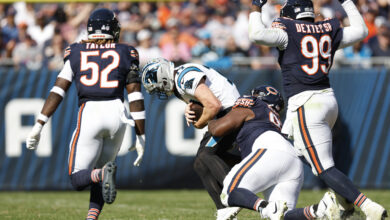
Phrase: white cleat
(228,213)
(374,211)
(274,210)
(328,207)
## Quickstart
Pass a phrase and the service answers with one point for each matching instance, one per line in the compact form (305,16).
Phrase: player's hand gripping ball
(197,109)
(193,112)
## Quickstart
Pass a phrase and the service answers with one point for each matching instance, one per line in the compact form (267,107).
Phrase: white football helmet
(158,77)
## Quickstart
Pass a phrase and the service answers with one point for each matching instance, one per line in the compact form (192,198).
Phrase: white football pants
(272,168)
(98,135)
(312,125)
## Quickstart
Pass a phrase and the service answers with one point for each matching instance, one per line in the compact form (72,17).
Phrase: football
(198,109)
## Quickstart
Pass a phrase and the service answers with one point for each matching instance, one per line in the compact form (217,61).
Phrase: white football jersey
(187,79)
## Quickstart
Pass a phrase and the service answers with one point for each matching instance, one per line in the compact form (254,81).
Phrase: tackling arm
(211,105)
(259,34)
(357,30)
(230,122)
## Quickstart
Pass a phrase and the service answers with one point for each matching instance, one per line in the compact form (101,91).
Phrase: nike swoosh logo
(276,209)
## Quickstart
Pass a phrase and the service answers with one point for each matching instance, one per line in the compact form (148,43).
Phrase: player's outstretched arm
(53,100)
(357,30)
(137,112)
(259,34)
(211,105)
(230,122)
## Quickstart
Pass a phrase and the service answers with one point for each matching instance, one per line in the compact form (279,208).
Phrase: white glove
(33,137)
(139,145)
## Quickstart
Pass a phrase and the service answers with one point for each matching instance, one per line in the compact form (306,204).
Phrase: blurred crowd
(212,32)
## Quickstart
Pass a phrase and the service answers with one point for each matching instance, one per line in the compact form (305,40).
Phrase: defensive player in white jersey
(194,83)
(102,69)
(306,50)
(261,144)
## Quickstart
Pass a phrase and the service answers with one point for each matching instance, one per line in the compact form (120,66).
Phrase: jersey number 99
(321,48)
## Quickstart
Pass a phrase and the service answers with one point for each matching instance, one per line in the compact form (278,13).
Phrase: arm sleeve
(259,34)
(66,72)
(357,30)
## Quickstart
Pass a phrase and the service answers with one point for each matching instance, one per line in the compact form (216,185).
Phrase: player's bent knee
(76,182)
(224,199)
(199,167)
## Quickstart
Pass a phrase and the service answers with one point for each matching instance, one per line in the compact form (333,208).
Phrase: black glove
(260,3)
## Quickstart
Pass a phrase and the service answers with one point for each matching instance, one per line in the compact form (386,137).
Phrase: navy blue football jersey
(306,61)
(266,119)
(101,72)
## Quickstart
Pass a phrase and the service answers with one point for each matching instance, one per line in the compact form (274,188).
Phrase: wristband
(134,96)
(42,117)
(58,90)
(138,115)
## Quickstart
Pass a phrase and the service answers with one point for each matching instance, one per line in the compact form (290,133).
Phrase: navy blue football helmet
(270,95)
(297,9)
(102,24)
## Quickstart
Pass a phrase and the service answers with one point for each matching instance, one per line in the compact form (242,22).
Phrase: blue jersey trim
(213,141)
(186,70)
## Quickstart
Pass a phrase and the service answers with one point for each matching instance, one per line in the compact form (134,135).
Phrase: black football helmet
(270,95)
(297,9)
(102,24)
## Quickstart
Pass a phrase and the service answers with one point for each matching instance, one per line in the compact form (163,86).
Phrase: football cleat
(108,183)
(274,210)
(228,213)
(374,211)
(328,207)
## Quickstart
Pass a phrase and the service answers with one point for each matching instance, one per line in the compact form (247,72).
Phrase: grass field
(157,205)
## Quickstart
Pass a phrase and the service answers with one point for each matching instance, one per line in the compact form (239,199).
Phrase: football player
(261,144)
(101,68)
(200,84)
(306,51)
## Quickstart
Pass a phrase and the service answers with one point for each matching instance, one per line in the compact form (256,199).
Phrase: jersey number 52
(96,73)
(317,49)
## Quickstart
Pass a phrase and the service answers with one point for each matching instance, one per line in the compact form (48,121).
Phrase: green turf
(159,205)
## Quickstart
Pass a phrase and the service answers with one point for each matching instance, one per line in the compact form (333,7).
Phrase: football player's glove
(139,146)
(259,3)
(33,137)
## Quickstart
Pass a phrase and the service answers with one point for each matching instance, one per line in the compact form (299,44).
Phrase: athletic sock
(244,198)
(361,201)
(93,214)
(96,175)
(96,201)
(341,184)
(301,213)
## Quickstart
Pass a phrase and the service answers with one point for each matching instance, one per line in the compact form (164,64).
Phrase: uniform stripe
(186,70)
(306,211)
(360,199)
(257,203)
(76,137)
(241,172)
(212,141)
(308,142)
